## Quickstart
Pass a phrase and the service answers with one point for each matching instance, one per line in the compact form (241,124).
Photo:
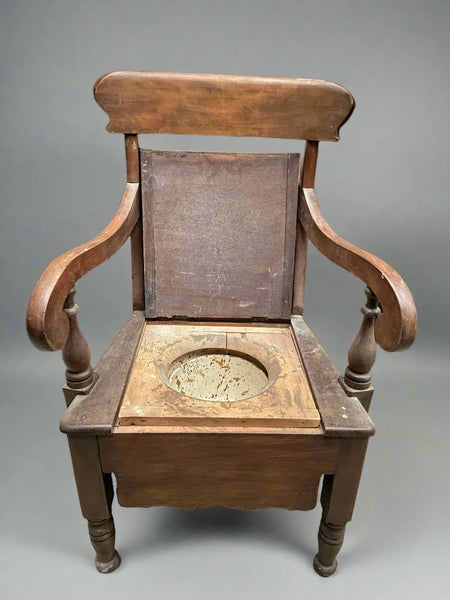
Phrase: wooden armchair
(215,391)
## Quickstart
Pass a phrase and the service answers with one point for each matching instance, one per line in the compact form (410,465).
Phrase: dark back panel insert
(219,234)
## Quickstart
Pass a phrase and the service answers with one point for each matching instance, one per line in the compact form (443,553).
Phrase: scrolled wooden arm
(395,328)
(47,324)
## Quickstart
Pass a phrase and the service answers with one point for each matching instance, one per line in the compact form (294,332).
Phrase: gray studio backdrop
(384,186)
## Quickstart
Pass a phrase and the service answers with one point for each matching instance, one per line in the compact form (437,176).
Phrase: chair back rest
(220,234)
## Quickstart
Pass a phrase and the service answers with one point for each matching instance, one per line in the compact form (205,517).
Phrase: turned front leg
(330,538)
(95,492)
(340,489)
(103,536)
(338,500)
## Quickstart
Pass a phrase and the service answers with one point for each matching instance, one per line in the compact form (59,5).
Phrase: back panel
(219,234)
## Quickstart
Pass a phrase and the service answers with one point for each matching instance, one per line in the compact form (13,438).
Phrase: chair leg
(103,535)
(338,499)
(331,538)
(95,492)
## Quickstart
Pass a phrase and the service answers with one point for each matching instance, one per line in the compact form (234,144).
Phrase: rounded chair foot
(110,565)
(323,570)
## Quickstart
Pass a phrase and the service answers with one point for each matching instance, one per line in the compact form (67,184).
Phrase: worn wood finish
(307,176)
(132,158)
(219,234)
(137,249)
(222,237)
(290,388)
(340,414)
(299,271)
(150,400)
(76,352)
(95,490)
(47,324)
(309,164)
(396,327)
(201,104)
(141,429)
(95,413)
(95,493)
(330,539)
(362,354)
(103,538)
(201,470)
(295,242)
(339,494)
(137,266)
(338,500)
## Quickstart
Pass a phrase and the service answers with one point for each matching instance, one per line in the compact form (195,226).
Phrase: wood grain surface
(230,105)
(241,471)
(150,400)
(219,234)
(95,413)
(94,488)
(47,325)
(396,327)
(340,414)
(133,165)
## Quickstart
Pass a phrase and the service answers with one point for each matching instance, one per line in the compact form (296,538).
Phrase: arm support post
(361,355)
(76,352)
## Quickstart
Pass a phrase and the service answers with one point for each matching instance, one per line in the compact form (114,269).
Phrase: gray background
(384,187)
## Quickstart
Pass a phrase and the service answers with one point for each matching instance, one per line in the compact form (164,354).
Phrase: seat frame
(278,466)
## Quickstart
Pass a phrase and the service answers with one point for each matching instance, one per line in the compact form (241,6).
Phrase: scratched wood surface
(219,234)
(342,415)
(95,413)
(149,400)
(209,104)
(47,323)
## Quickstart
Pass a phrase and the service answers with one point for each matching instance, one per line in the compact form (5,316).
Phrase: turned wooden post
(338,500)
(76,355)
(330,539)
(362,354)
(103,535)
(95,492)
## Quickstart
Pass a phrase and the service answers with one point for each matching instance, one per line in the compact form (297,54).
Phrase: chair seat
(217,374)
(170,448)
(154,378)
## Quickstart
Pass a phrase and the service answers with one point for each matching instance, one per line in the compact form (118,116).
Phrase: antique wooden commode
(215,391)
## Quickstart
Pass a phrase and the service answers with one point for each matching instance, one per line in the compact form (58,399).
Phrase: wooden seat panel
(285,401)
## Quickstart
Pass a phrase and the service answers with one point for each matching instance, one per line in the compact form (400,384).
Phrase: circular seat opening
(218,375)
